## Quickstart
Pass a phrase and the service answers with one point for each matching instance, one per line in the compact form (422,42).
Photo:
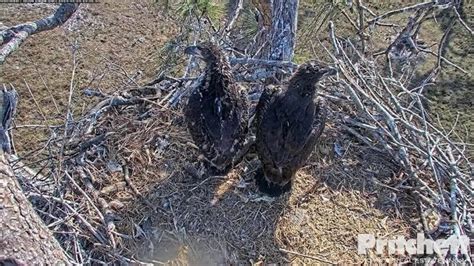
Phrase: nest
(121,184)
(125,187)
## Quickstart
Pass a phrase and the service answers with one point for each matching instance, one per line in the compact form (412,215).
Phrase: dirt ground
(117,44)
(106,41)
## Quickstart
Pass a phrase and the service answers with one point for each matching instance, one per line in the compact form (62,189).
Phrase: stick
(462,21)
(12,38)
(401,10)
(234,14)
(307,256)
(361,24)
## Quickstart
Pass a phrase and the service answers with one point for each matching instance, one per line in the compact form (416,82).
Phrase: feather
(216,111)
(289,124)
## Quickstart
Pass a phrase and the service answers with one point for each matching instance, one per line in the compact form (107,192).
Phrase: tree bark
(276,37)
(24,238)
(283,29)
(278,19)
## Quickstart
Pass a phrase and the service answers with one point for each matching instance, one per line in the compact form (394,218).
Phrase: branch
(404,34)
(12,38)
(237,6)
(401,10)
(262,62)
(462,21)
(361,24)
(8,103)
(437,169)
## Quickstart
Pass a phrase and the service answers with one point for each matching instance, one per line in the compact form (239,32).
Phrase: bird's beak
(193,50)
(329,71)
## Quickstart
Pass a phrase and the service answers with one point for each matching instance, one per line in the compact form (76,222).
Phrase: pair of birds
(288,121)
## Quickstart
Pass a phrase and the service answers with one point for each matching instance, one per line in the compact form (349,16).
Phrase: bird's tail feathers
(270,188)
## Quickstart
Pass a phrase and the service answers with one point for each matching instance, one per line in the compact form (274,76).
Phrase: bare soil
(108,41)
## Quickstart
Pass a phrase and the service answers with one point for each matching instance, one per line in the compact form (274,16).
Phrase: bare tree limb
(462,21)
(262,62)
(12,38)
(438,172)
(361,24)
(401,10)
(234,12)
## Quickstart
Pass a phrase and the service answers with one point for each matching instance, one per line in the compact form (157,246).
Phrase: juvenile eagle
(216,113)
(289,123)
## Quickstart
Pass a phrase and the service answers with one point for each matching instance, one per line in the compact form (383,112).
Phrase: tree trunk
(283,29)
(24,238)
(279,20)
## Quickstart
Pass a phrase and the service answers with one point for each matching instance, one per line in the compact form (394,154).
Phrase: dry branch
(390,13)
(233,14)
(398,124)
(12,38)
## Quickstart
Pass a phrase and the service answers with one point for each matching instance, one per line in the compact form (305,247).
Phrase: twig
(233,15)
(349,19)
(36,103)
(262,62)
(49,92)
(445,60)
(462,21)
(83,193)
(423,5)
(361,24)
(307,256)
(126,173)
(398,122)
(69,106)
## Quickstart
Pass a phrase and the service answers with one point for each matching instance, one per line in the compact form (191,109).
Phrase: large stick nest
(128,184)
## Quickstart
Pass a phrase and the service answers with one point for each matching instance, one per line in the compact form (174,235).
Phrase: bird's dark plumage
(216,112)
(289,123)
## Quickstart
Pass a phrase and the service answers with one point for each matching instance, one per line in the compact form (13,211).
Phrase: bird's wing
(319,120)
(266,124)
(194,118)
(234,119)
(298,116)
(224,118)
(272,128)
(304,147)
(288,129)
(267,96)
(307,127)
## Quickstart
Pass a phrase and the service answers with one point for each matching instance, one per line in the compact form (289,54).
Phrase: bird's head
(308,74)
(207,52)
(313,71)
